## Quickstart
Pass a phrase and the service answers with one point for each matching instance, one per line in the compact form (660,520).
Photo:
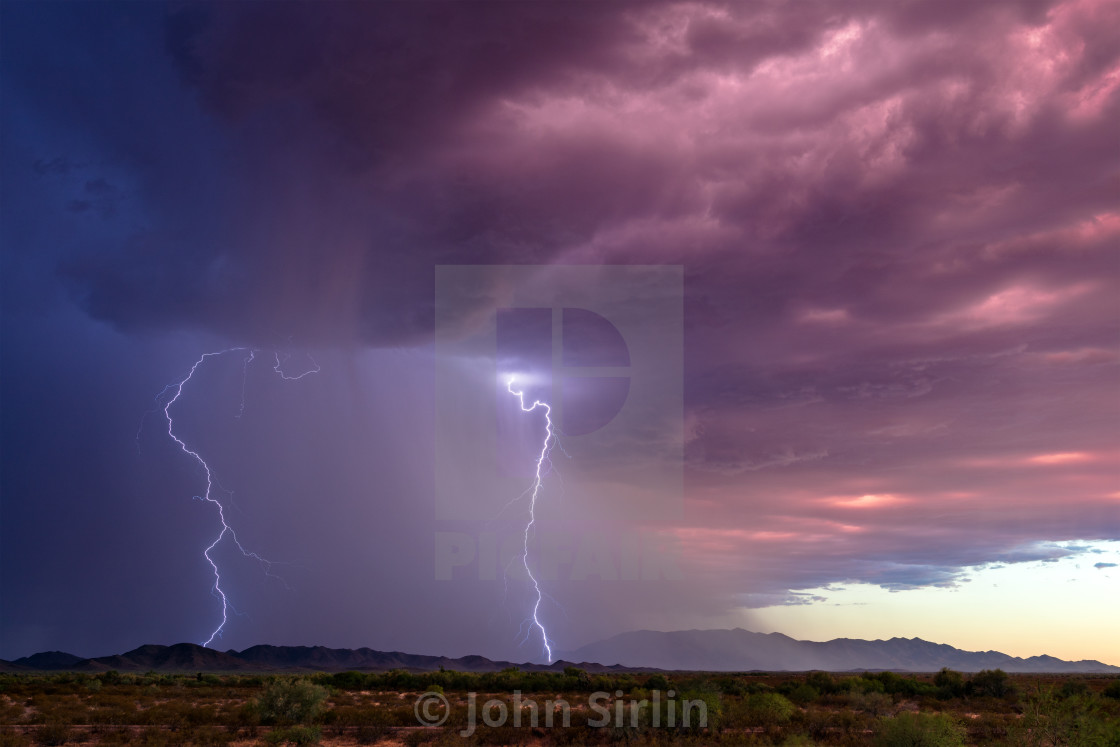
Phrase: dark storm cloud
(336,120)
(897,223)
(412,130)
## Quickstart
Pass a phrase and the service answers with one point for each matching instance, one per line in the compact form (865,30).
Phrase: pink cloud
(897,223)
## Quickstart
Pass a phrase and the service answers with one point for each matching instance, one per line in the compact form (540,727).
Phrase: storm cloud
(897,224)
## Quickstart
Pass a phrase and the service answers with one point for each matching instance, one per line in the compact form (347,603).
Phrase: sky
(888,404)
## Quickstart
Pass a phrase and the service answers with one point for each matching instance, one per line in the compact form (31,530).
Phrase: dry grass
(163,710)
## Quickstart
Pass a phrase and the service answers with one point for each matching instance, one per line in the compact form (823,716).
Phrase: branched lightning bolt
(297,377)
(537,481)
(208,496)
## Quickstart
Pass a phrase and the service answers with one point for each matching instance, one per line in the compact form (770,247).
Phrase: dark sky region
(897,223)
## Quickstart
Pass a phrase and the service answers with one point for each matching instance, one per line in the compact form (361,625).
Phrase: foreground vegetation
(349,708)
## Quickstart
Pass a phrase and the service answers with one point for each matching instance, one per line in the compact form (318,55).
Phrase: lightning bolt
(297,377)
(536,488)
(208,496)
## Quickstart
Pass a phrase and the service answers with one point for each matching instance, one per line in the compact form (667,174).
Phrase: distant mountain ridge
(735,650)
(190,657)
(743,650)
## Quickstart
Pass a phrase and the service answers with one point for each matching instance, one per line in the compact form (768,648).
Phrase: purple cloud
(897,223)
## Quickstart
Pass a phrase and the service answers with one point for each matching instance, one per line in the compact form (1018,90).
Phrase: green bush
(291,701)
(713,706)
(894,684)
(1112,690)
(770,709)
(876,704)
(1075,720)
(991,683)
(949,684)
(822,682)
(919,730)
(802,694)
(1073,688)
(868,684)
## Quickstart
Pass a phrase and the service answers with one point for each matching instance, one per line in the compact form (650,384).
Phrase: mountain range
(643,650)
(190,657)
(741,650)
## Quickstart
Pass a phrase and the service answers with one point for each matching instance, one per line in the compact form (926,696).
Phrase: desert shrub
(730,685)
(66,709)
(368,734)
(53,733)
(817,723)
(111,709)
(154,737)
(180,714)
(769,709)
(1072,688)
(874,703)
(211,736)
(712,706)
(895,684)
(798,740)
(991,683)
(803,693)
(822,682)
(1075,720)
(752,688)
(919,730)
(291,701)
(10,712)
(416,738)
(949,684)
(868,684)
(294,735)
(989,727)
(113,736)
(1112,690)
(853,725)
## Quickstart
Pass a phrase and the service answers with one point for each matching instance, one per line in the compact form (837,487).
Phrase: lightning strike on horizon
(207,496)
(537,482)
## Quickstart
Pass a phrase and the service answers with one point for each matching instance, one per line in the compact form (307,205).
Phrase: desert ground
(356,708)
